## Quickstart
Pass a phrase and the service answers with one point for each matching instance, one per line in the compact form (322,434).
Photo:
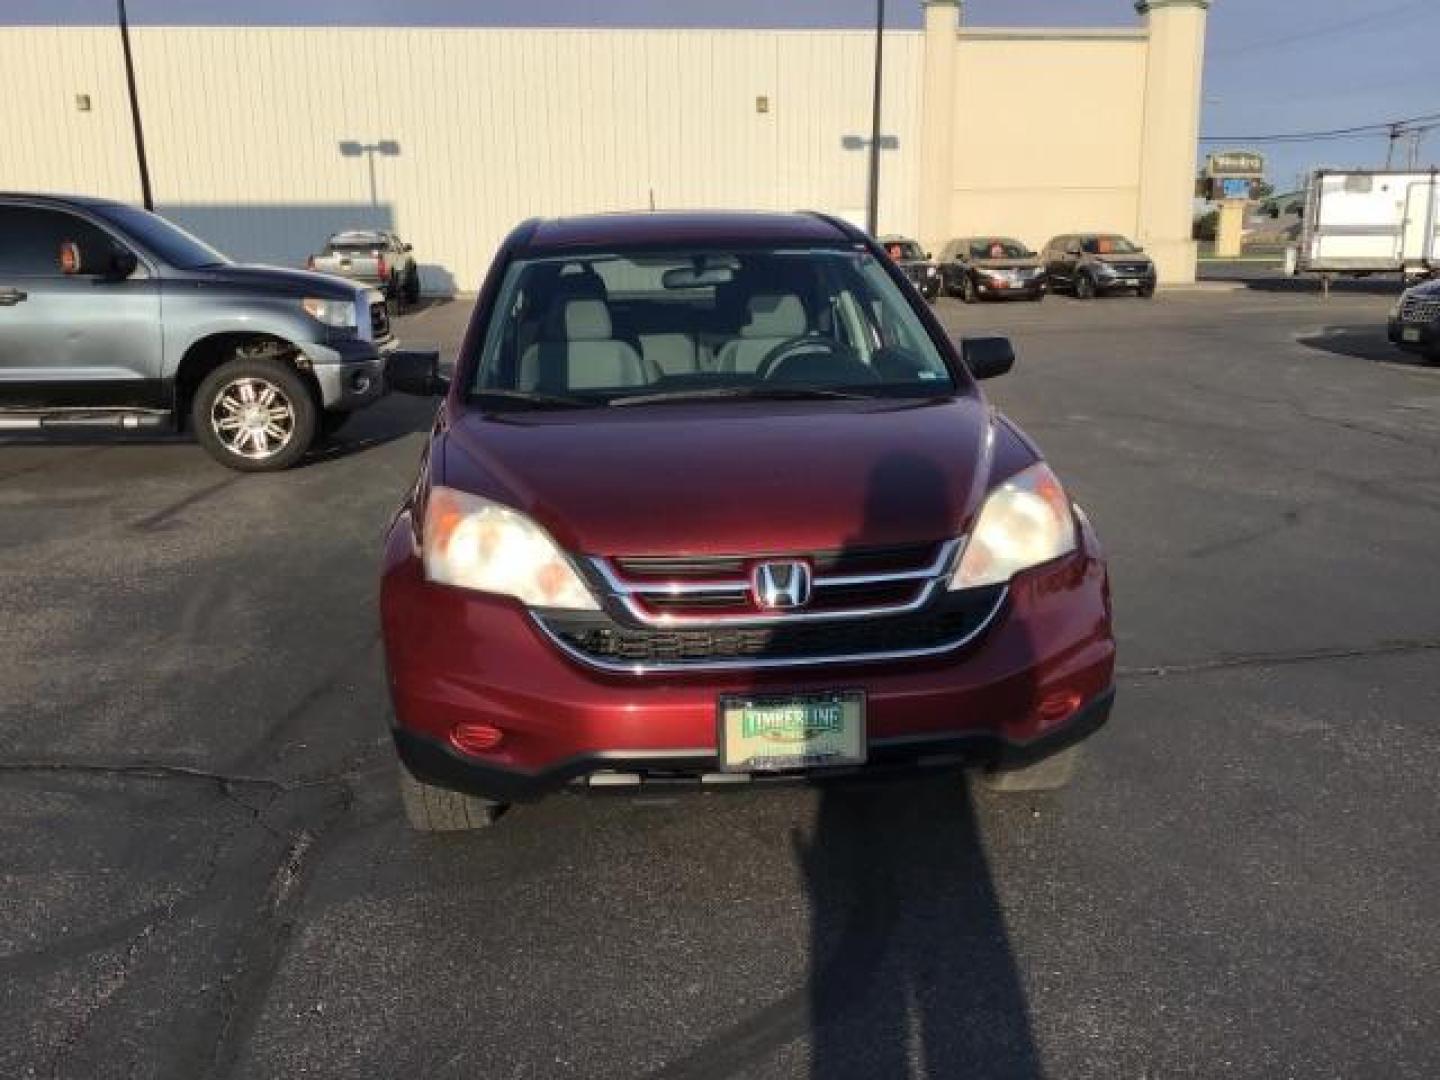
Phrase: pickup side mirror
(928,256)
(407,247)
(987,357)
(416,371)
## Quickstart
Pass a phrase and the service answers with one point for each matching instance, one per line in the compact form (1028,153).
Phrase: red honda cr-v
(712,498)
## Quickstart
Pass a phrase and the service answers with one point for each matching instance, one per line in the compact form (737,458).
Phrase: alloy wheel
(253,418)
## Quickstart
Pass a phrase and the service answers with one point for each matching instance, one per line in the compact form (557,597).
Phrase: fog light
(1057,706)
(476,738)
(360,383)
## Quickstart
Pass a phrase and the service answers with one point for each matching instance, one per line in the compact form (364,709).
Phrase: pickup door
(74,336)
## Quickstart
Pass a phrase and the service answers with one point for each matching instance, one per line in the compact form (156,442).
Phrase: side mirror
(416,371)
(987,357)
(122,264)
(407,247)
(928,256)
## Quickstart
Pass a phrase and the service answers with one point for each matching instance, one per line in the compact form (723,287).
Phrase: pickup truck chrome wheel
(255,414)
(253,418)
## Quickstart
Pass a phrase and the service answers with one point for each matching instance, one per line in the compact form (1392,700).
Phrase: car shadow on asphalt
(911,973)
(1364,341)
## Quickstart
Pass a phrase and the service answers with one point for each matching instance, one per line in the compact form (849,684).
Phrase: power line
(1385,128)
(1322,31)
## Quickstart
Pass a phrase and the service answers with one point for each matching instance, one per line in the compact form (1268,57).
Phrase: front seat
(578,352)
(774,319)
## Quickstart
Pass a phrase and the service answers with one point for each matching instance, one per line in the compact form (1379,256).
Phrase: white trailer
(1360,223)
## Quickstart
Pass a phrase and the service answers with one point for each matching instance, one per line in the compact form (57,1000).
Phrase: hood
(1428,289)
(733,478)
(1030,262)
(279,279)
(1138,257)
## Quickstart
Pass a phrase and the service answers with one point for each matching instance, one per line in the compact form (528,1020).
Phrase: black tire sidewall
(1084,286)
(969,292)
(288,380)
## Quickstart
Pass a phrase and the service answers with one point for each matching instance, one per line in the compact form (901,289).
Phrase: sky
(1273,66)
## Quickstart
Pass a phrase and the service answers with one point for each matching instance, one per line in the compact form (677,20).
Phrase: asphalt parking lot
(205,869)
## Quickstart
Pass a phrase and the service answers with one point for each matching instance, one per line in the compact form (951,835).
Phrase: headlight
(339,313)
(1026,521)
(473,543)
(931,271)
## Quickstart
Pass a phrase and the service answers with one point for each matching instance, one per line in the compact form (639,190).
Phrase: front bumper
(1426,337)
(351,374)
(1141,282)
(460,657)
(1028,290)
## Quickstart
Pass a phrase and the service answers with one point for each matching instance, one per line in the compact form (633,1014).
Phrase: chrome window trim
(938,571)
(764,663)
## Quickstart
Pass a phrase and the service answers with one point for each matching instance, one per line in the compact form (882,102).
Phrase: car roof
(359,235)
(61,200)
(661,228)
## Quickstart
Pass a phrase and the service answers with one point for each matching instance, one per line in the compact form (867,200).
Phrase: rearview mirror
(987,357)
(416,371)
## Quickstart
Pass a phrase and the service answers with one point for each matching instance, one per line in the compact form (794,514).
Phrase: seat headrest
(775,315)
(587,320)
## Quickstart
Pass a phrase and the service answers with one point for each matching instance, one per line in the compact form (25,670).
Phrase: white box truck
(1359,223)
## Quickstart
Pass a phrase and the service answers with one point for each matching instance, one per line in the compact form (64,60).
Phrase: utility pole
(872,209)
(145,193)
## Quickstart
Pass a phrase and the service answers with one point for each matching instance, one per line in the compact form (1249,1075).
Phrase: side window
(33,239)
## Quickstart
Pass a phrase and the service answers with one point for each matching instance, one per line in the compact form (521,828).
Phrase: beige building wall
(1047,133)
(1031,133)
(243,128)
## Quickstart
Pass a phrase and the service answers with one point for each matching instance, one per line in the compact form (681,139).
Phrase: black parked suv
(1415,321)
(915,263)
(1089,264)
(113,318)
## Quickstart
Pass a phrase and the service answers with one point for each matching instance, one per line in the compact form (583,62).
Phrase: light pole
(145,194)
(872,209)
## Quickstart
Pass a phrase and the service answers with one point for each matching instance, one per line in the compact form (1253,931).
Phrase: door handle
(11,297)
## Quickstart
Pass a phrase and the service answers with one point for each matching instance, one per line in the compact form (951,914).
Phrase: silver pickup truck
(113,318)
(372,257)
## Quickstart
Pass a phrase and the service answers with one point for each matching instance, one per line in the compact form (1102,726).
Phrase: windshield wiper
(531,398)
(764,393)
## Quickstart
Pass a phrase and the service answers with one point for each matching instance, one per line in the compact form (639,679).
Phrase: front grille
(944,625)
(379,320)
(673,590)
(1420,309)
(1131,269)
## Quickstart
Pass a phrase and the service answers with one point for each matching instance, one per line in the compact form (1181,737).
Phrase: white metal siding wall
(243,128)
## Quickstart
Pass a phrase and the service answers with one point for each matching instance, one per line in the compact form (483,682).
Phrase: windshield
(1108,245)
(164,239)
(702,325)
(998,248)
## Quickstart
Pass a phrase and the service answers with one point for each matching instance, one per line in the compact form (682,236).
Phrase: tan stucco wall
(1047,134)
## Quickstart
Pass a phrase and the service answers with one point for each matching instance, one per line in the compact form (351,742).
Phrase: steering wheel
(796,346)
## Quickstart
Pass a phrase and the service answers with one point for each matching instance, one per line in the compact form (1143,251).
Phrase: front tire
(968,292)
(254,415)
(411,289)
(1146,292)
(1084,287)
(1049,774)
(436,809)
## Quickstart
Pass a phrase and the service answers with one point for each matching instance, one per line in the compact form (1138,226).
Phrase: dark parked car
(712,498)
(991,267)
(1415,321)
(1091,264)
(915,263)
(112,317)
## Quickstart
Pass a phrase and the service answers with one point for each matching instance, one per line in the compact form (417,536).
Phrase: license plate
(1131,282)
(768,733)
(1410,333)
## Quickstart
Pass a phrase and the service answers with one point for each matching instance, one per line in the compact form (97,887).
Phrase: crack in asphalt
(1276,659)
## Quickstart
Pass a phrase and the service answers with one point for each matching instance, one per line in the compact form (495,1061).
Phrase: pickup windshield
(655,327)
(999,248)
(164,239)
